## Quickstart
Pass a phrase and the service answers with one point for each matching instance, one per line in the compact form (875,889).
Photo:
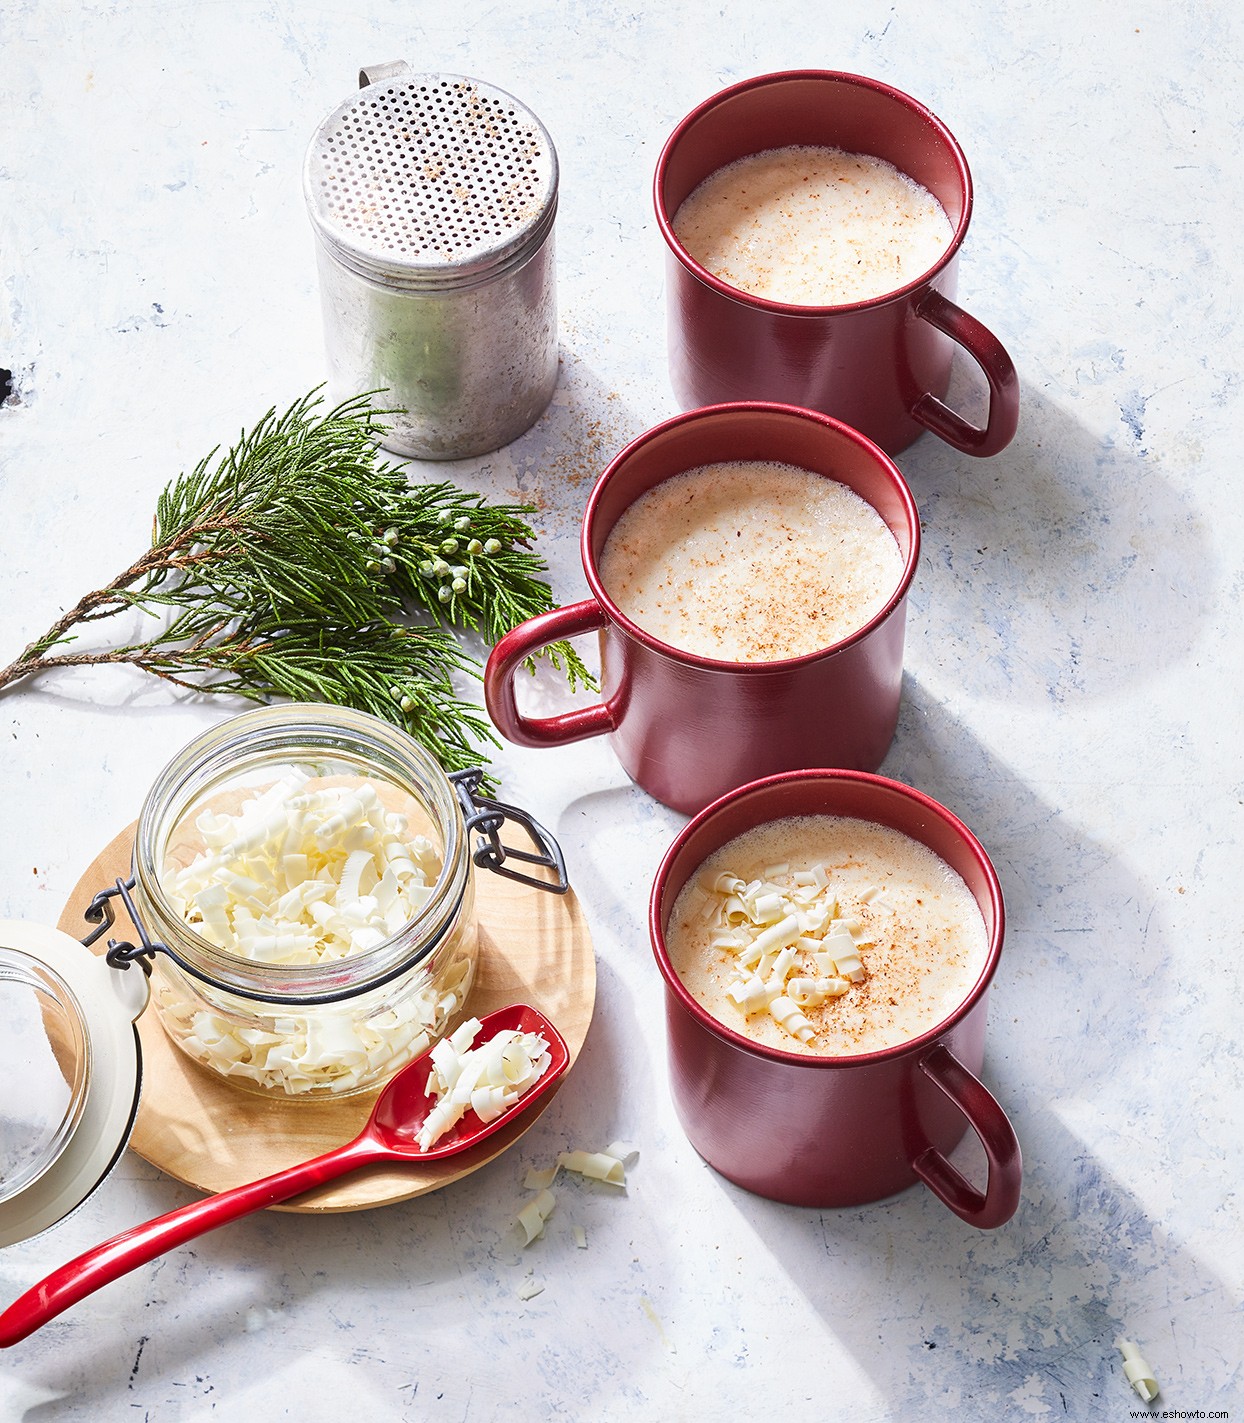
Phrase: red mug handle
(1000,1199)
(513,650)
(989,354)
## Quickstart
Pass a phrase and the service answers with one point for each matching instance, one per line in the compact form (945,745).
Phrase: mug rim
(709,412)
(665,219)
(817,1061)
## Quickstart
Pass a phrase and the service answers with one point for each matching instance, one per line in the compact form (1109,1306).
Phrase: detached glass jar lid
(69,1053)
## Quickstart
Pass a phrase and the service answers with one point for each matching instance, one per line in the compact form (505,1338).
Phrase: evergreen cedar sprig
(288,568)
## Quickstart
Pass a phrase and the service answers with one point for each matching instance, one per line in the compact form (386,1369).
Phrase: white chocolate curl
(303,878)
(306,875)
(811,992)
(792,946)
(486,1080)
(608,1166)
(599,1165)
(533,1215)
(1137,1371)
(786,1013)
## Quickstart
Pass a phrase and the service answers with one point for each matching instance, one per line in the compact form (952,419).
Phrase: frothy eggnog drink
(827,935)
(750,561)
(813,226)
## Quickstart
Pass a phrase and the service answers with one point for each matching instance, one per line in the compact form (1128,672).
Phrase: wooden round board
(534,947)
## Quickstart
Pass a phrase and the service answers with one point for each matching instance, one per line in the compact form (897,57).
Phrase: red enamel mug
(839,1131)
(688,728)
(881,365)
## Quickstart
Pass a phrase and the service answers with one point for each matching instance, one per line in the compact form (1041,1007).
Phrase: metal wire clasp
(486,817)
(102,912)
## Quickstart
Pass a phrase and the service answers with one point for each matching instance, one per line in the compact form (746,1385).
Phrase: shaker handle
(989,354)
(515,648)
(1000,1199)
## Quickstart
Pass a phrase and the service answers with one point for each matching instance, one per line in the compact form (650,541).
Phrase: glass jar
(326,1027)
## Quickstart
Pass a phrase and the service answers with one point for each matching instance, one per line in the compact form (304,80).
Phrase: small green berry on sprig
(291,565)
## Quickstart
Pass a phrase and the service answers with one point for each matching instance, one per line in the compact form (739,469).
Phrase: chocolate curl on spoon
(391,1134)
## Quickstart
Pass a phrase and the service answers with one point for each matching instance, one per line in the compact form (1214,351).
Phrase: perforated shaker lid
(430,180)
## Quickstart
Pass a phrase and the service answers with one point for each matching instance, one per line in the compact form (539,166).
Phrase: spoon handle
(125,1252)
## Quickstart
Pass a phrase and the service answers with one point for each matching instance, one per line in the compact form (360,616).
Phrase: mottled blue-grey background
(1073,691)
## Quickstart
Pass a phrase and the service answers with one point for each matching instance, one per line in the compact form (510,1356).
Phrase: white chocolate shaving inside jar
(300,877)
(308,872)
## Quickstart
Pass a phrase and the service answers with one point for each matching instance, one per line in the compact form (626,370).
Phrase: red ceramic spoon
(388,1136)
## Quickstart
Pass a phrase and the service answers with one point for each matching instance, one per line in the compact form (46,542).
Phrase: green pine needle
(300,565)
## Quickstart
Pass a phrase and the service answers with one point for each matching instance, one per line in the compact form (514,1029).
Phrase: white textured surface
(1074,692)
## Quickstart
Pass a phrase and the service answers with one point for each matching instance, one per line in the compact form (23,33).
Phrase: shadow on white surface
(1023,1319)
(1064,569)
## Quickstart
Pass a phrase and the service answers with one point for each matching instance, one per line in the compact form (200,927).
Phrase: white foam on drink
(750,561)
(813,226)
(928,939)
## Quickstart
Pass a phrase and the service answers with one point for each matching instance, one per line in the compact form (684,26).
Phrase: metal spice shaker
(433,198)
